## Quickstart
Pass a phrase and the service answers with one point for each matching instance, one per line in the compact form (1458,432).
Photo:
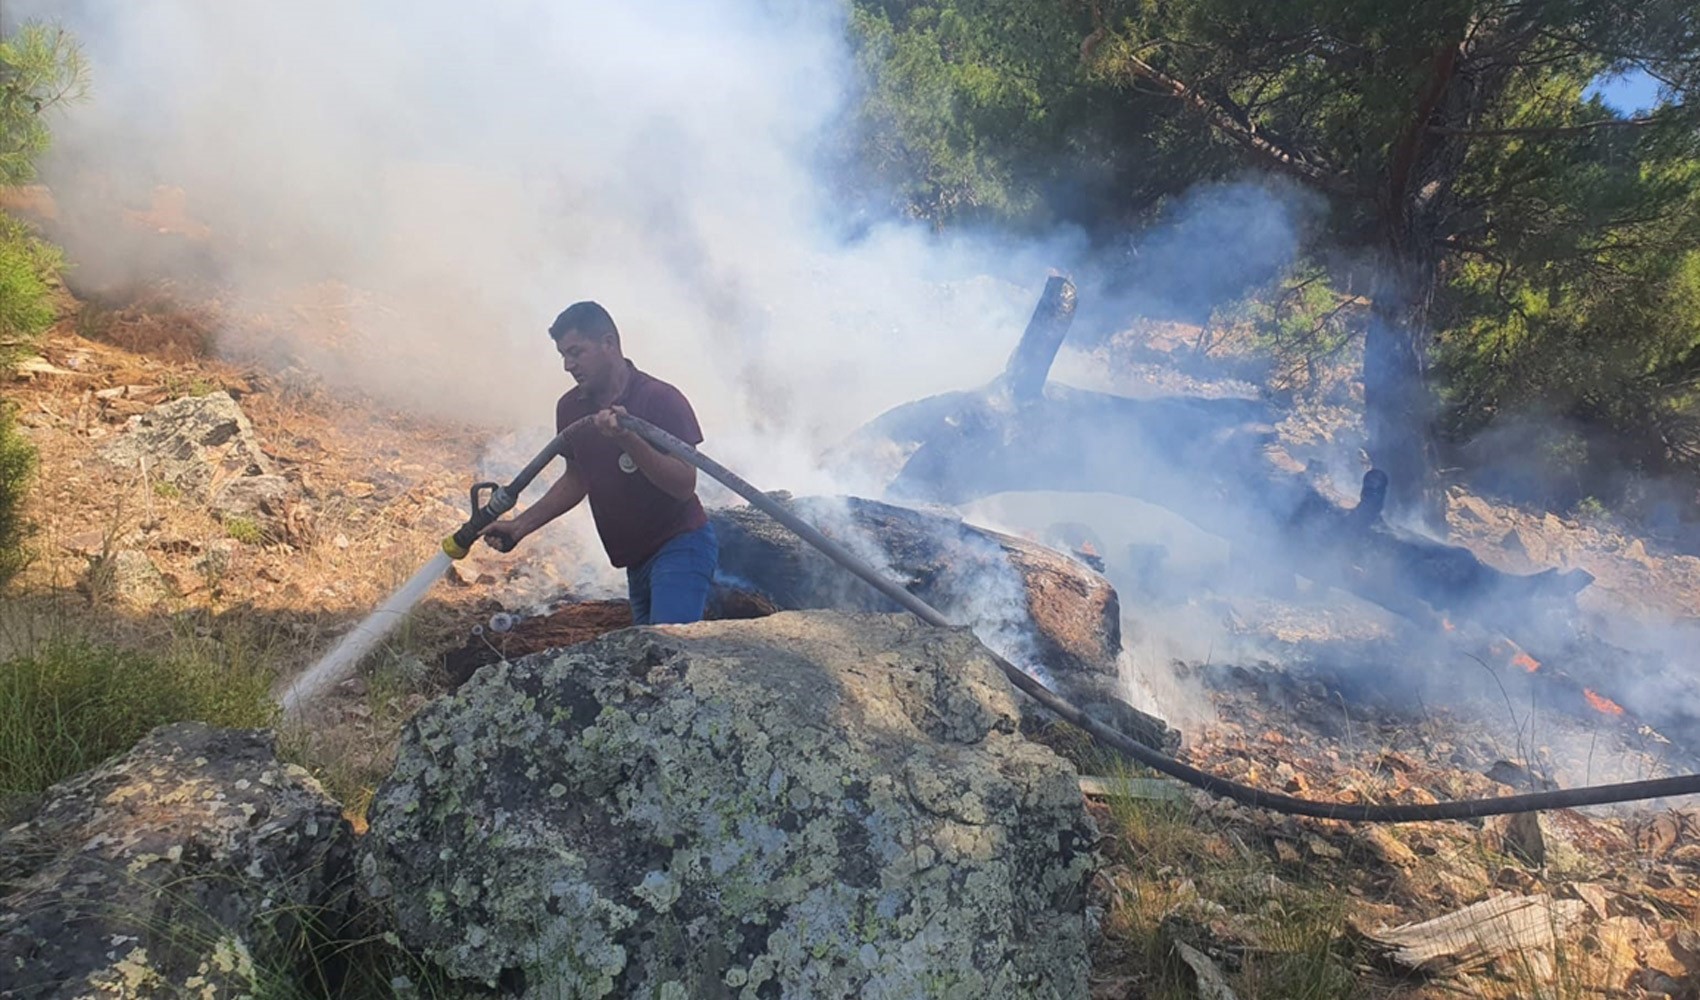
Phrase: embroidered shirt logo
(626,464)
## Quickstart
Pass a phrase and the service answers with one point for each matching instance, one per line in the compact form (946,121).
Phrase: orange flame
(1601,703)
(1446,623)
(1513,654)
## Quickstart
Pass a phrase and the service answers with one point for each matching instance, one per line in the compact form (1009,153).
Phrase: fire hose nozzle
(484,513)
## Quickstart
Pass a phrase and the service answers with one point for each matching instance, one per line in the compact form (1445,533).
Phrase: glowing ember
(1446,623)
(1527,662)
(1601,703)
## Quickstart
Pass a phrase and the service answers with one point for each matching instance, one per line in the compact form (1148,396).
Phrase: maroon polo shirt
(634,517)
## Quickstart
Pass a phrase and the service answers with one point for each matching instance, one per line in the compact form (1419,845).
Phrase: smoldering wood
(1210,461)
(1030,364)
(1064,617)
(575,622)
(1207,460)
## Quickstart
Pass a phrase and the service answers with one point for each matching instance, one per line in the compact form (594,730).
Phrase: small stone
(128,578)
(1389,848)
(86,543)
(1594,895)
(1322,848)
(1472,509)
(1636,552)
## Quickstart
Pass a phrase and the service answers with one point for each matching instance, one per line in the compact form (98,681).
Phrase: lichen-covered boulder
(188,867)
(812,804)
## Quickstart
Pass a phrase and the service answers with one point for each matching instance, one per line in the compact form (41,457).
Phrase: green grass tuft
(67,705)
(245,530)
(17,466)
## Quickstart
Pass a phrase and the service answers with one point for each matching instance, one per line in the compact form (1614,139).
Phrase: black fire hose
(1592,795)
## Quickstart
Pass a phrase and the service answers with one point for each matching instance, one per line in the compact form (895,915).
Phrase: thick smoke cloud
(479,167)
(468,170)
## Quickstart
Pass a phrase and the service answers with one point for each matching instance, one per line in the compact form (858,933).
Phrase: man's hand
(504,535)
(608,422)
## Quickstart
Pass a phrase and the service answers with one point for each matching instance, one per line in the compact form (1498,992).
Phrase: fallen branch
(1472,937)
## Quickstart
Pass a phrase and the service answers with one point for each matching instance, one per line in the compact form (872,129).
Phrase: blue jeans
(671,586)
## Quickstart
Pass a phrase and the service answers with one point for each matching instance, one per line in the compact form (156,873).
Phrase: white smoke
(480,167)
(469,170)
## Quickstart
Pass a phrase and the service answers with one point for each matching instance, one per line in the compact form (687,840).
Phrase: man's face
(589,360)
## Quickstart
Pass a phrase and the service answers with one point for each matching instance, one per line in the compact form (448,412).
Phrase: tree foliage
(41,67)
(1523,244)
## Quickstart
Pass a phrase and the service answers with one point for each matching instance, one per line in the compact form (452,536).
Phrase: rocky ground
(338,499)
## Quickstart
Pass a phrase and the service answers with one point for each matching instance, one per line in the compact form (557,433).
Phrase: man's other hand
(503,535)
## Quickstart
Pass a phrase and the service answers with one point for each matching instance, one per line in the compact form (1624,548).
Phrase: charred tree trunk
(1030,364)
(1398,409)
(1206,460)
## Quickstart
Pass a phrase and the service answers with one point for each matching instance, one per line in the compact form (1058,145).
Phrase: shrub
(28,267)
(245,530)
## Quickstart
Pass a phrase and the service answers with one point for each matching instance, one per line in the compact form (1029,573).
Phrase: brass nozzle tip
(453,549)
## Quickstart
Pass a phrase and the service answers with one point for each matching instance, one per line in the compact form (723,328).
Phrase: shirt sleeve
(671,411)
(562,418)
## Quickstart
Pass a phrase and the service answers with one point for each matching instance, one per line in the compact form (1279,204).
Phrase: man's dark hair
(585,319)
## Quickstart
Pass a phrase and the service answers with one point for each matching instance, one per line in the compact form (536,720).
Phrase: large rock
(187,867)
(194,443)
(806,805)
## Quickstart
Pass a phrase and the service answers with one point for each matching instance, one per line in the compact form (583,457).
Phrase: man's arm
(673,476)
(566,493)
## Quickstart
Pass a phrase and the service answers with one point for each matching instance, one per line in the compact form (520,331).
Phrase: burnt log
(1030,364)
(1044,611)
(1418,577)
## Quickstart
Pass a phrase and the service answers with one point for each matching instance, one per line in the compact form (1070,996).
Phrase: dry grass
(1179,877)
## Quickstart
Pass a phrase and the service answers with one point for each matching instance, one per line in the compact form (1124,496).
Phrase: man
(644,502)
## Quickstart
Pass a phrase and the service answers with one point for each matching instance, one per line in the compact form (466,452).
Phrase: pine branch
(1544,130)
(1244,133)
